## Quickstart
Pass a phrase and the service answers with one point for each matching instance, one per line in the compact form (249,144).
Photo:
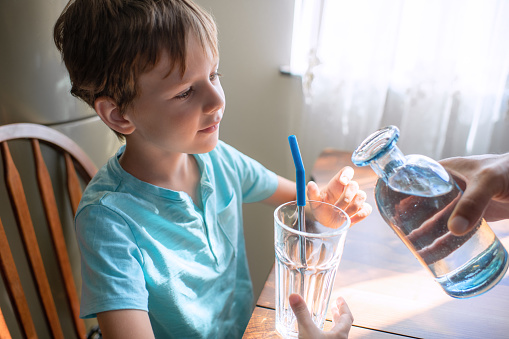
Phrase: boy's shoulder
(106,181)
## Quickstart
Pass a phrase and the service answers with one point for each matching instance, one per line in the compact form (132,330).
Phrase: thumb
(301,312)
(471,206)
(313,192)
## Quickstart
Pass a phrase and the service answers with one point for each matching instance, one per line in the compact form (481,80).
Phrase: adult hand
(485,180)
(343,192)
(341,316)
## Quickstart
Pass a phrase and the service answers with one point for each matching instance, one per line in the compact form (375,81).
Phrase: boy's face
(175,114)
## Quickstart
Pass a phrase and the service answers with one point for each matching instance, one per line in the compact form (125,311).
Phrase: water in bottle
(416,195)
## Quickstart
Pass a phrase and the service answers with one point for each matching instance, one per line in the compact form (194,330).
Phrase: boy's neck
(175,171)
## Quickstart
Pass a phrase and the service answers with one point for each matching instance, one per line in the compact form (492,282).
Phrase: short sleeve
(111,263)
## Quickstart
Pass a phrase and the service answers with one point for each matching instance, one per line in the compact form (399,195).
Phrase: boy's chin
(208,147)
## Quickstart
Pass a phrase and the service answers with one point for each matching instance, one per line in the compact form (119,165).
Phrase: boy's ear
(109,112)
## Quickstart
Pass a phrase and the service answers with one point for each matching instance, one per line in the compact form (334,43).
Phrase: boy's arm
(125,324)
(286,191)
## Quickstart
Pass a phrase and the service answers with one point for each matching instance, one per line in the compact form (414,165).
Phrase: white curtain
(437,69)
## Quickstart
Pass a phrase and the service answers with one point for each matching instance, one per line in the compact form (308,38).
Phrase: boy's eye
(214,76)
(185,94)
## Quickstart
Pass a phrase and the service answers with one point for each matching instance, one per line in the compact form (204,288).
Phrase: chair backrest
(30,297)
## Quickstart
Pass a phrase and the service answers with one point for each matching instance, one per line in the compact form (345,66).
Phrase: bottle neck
(387,164)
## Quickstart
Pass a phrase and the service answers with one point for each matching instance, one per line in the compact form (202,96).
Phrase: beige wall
(255,40)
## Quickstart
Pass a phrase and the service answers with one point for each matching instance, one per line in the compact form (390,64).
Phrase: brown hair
(107,44)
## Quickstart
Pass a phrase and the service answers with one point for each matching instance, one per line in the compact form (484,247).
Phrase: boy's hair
(107,44)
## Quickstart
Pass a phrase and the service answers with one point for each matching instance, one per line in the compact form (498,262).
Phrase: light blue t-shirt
(149,248)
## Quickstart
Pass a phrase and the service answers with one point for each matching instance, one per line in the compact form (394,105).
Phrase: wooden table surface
(389,293)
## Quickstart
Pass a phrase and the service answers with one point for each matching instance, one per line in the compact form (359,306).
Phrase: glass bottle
(415,196)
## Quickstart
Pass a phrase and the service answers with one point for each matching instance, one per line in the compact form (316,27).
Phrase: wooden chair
(37,294)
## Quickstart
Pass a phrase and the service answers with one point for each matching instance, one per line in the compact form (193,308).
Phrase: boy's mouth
(210,129)
(214,126)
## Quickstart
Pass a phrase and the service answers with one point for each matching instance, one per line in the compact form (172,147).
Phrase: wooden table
(389,293)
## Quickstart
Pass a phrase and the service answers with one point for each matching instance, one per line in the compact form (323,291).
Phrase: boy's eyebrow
(172,67)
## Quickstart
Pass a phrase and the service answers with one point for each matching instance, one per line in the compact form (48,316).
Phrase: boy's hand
(341,314)
(344,193)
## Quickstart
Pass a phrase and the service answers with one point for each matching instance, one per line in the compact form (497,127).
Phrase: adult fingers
(306,324)
(471,205)
(343,319)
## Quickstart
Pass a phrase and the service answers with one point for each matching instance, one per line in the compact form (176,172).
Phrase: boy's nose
(215,99)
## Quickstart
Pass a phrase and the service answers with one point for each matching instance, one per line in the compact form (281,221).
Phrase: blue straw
(300,172)
(301,203)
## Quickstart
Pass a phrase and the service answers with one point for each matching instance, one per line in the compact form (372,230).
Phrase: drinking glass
(306,260)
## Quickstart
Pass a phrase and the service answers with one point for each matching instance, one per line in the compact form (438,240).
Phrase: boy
(160,226)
